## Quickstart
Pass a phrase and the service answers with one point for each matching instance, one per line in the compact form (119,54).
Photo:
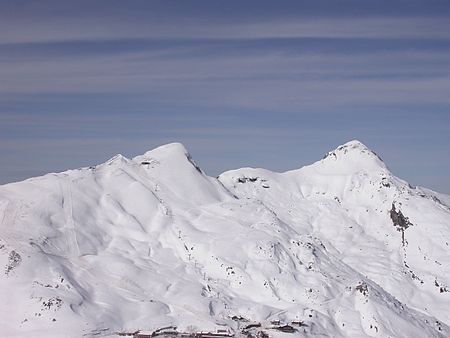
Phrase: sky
(272,84)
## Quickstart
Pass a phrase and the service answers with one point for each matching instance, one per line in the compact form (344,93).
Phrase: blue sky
(272,84)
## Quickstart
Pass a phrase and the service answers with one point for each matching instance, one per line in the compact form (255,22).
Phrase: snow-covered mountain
(340,248)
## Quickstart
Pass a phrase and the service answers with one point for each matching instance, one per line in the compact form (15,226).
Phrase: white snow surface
(341,245)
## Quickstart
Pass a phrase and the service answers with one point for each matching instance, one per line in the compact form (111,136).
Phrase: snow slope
(342,246)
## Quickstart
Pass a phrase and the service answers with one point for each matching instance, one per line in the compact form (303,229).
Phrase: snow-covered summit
(338,248)
(117,159)
(172,151)
(174,167)
(353,145)
(351,157)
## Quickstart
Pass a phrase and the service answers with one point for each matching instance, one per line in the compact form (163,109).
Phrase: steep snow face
(341,246)
(171,165)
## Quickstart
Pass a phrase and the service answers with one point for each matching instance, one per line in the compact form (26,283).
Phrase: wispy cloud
(270,79)
(99,28)
(239,85)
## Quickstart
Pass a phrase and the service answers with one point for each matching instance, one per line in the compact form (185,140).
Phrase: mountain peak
(356,155)
(354,144)
(174,149)
(173,154)
(169,153)
(117,159)
(173,167)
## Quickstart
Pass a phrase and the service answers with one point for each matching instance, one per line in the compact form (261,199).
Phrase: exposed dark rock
(299,322)
(51,303)
(262,334)
(286,329)
(385,183)
(442,288)
(251,326)
(247,179)
(191,160)
(238,318)
(14,260)
(363,288)
(400,221)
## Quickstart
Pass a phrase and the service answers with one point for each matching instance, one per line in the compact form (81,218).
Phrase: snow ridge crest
(356,154)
